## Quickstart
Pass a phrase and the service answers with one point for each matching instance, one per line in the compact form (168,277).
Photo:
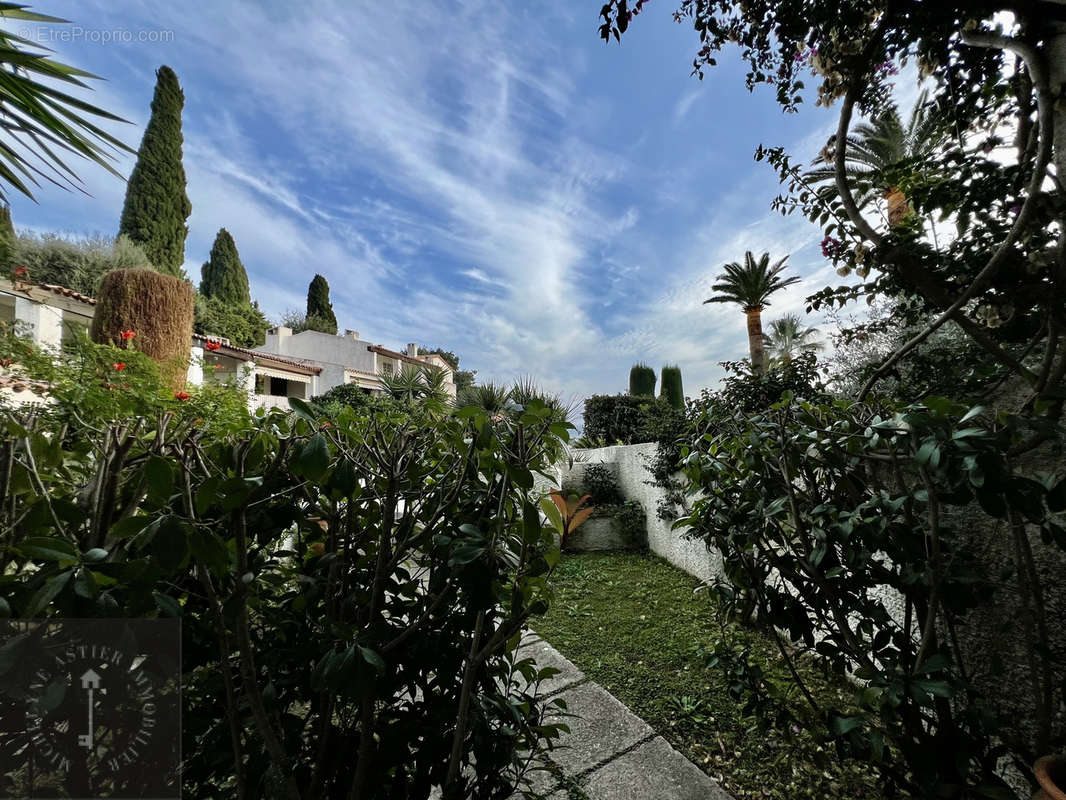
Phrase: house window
(279,387)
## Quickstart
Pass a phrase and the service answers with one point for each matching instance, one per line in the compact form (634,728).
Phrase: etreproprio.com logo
(63,34)
(90,708)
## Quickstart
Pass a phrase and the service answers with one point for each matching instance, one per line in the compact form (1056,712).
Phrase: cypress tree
(670,387)
(7,241)
(156,206)
(642,381)
(223,276)
(320,316)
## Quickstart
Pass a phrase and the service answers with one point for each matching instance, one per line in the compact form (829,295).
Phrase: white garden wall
(630,465)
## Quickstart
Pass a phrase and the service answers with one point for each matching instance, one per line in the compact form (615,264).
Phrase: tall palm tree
(875,147)
(750,286)
(789,338)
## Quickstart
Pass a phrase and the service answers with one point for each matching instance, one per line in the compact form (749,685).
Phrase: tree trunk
(755,339)
(898,206)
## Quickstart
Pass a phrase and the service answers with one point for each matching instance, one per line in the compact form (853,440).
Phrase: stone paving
(610,752)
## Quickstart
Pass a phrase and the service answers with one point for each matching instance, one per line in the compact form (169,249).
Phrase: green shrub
(76,263)
(316,659)
(242,323)
(623,418)
(642,381)
(670,387)
(599,483)
(854,525)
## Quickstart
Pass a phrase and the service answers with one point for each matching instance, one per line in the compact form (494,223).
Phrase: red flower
(118,366)
(212,346)
(127,335)
(20,271)
(218,367)
(182,396)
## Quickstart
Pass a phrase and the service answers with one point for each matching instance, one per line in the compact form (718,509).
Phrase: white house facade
(349,359)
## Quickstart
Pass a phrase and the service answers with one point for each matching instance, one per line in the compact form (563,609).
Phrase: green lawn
(635,624)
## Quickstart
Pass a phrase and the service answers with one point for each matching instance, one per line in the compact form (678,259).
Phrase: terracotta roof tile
(252,355)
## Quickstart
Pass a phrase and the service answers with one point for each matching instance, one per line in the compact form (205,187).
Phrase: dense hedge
(623,418)
(351,587)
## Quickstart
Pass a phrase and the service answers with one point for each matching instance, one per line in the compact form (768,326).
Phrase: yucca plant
(412,384)
(749,285)
(39,123)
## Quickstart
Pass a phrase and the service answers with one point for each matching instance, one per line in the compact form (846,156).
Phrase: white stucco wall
(45,322)
(630,463)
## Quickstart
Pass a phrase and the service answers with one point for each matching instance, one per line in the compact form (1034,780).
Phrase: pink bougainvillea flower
(182,396)
(212,346)
(118,366)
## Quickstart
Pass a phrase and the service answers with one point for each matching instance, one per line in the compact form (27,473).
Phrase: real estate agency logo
(101,703)
(109,708)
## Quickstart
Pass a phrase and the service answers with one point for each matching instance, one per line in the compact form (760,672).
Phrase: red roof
(258,355)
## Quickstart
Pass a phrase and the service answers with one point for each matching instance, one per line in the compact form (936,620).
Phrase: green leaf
(551,511)
(159,477)
(47,593)
(373,659)
(1056,498)
(303,409)
(49,548)
(208,549)
(167,605)
(85,584)
(94,555)
(5,609)
(170,545)
(130,526)
(312,460)
(843,725)
(466,553)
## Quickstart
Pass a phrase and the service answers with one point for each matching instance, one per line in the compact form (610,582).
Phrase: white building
(290,364)
(49,315)
(349,359)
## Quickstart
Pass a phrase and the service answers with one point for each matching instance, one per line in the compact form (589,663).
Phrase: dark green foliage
(642,381)
(463,378)
(351,396)
(223,276)
(816,475)
(156,205)
(242,323)
(7,241)
(622,418)
(670,387)
(271,541)
(77,264)
(600,485)
(320,316)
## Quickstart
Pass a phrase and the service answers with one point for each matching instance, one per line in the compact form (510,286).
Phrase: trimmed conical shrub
(148,311)
(320,316)
(642,381)
(223,276)
(670,387)
(156,206)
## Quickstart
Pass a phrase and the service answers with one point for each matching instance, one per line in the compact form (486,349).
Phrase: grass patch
(636,625)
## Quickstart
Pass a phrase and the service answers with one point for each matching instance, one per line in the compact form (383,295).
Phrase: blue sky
(486,177)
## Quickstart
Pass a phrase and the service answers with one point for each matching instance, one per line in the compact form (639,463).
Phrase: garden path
(610,752)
